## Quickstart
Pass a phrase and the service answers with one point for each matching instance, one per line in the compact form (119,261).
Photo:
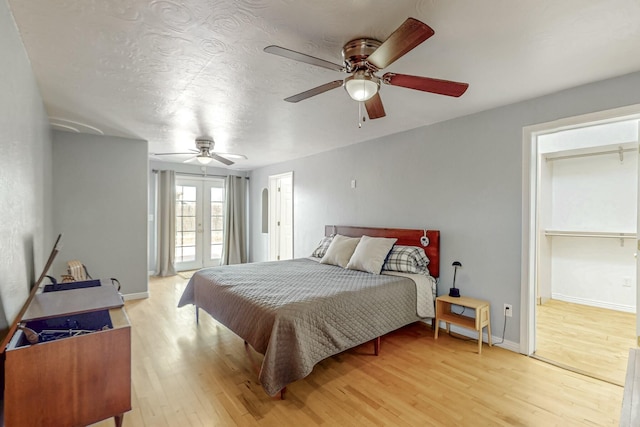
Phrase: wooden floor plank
(593,340)
(185,374)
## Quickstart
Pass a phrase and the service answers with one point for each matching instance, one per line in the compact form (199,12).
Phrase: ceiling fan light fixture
(361,86)
(204,158)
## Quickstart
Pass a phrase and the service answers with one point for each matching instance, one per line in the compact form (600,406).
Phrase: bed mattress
(299,312)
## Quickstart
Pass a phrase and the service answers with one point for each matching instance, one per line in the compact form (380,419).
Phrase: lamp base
(454,292)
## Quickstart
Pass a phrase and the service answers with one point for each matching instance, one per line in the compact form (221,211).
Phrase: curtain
(166,199)
(234,248)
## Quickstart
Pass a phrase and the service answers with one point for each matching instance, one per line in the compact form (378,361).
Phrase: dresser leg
(118,419)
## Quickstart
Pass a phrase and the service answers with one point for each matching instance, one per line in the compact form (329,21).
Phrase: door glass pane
(217,194)
(188,223)
(216,237)
(189,193)
(216,222)
(216,208)
(216,251)
(189,253)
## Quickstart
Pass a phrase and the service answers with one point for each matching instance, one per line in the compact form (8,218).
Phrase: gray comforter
(300,312)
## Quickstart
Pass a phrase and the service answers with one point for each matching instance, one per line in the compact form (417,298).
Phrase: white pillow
(370,254)
(340,250)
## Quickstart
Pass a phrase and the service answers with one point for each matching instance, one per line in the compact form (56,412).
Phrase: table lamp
(455,292)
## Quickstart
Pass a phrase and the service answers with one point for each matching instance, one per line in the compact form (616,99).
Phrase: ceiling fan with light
(204,153)
(364,57)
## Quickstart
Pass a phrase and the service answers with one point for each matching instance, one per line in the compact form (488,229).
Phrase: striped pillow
(322,247)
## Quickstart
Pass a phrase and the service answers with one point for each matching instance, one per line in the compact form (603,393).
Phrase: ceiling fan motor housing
(357,51)
(204,144)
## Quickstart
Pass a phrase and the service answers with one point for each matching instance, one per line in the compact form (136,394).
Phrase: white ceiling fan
(204,153)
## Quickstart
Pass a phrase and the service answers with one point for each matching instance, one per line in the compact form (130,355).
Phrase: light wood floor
(190,375)
(589,339)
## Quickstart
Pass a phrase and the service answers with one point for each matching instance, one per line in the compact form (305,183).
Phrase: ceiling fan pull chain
(361,117)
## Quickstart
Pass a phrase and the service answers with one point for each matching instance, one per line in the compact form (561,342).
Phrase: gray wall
(463,177)
(25,174)
(100,205)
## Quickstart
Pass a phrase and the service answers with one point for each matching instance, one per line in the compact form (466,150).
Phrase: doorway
(579,293)
(281,217)
(199,222)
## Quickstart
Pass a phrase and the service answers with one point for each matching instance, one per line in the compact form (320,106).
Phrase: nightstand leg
(489,332)
(480,341)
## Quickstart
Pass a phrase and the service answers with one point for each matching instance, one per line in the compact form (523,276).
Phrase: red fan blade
(315,91)
(426,84)
(375,109)
(408,35)
(297,56)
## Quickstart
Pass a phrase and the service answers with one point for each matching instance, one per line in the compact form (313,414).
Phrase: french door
(199,222)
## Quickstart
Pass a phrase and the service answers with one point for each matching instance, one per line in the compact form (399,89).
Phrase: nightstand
(482,316)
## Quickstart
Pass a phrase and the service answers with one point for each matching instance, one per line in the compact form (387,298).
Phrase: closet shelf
(603,234)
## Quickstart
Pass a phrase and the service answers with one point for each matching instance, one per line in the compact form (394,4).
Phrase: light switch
(353,183)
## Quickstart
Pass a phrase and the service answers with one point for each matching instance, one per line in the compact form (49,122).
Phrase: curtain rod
(201,174)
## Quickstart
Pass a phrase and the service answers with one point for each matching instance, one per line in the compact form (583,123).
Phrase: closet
(586,233)
(587,216)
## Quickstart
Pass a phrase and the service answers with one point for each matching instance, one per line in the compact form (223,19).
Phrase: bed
(301,311)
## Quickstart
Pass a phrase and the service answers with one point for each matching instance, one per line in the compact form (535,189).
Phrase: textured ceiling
(169,71)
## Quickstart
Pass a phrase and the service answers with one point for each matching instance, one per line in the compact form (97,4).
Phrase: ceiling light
(204,159)
(361,86)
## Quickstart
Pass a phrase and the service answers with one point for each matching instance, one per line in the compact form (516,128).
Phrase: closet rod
(605,234)
(619,151)
(200,174)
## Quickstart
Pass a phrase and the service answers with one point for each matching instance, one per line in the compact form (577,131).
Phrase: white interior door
(638,248)
(286,217)
(281,217)
(199,223)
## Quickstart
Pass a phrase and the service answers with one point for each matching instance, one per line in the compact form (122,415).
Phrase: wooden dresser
(79,378)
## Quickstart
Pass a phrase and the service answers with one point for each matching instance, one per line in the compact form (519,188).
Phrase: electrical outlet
(508,310)
(626,282)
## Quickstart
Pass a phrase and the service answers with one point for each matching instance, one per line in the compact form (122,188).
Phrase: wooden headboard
(405,236)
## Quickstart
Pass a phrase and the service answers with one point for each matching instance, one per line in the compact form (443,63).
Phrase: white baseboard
(593,303)
(139,295)
(151,273)
(507,345)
